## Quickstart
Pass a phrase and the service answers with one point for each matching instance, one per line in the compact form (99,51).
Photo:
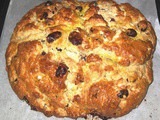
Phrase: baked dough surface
(75,58)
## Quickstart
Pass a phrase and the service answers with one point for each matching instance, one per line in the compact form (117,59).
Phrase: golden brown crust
(75,58)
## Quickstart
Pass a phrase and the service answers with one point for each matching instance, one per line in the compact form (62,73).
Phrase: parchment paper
(11,108)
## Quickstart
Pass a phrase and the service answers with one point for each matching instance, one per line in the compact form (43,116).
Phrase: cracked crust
(75,58)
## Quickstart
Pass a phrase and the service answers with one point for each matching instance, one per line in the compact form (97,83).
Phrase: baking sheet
(11,108)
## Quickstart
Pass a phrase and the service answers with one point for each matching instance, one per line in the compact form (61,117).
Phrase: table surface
(14,109)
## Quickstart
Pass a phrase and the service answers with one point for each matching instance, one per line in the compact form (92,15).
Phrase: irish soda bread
(75,58)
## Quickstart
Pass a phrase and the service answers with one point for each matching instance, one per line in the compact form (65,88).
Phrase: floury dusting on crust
(72,59)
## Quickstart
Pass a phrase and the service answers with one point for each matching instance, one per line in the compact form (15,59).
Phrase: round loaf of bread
(72,58)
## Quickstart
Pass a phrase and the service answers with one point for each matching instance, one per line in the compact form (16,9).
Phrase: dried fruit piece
(131,33)
(79,8)
(62,70)
(43,53)
(45,15)
(112,20)
(75,38)
(59,49)
(123,93)
(53,36)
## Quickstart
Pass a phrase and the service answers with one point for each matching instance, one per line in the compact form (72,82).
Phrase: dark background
(3,10)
